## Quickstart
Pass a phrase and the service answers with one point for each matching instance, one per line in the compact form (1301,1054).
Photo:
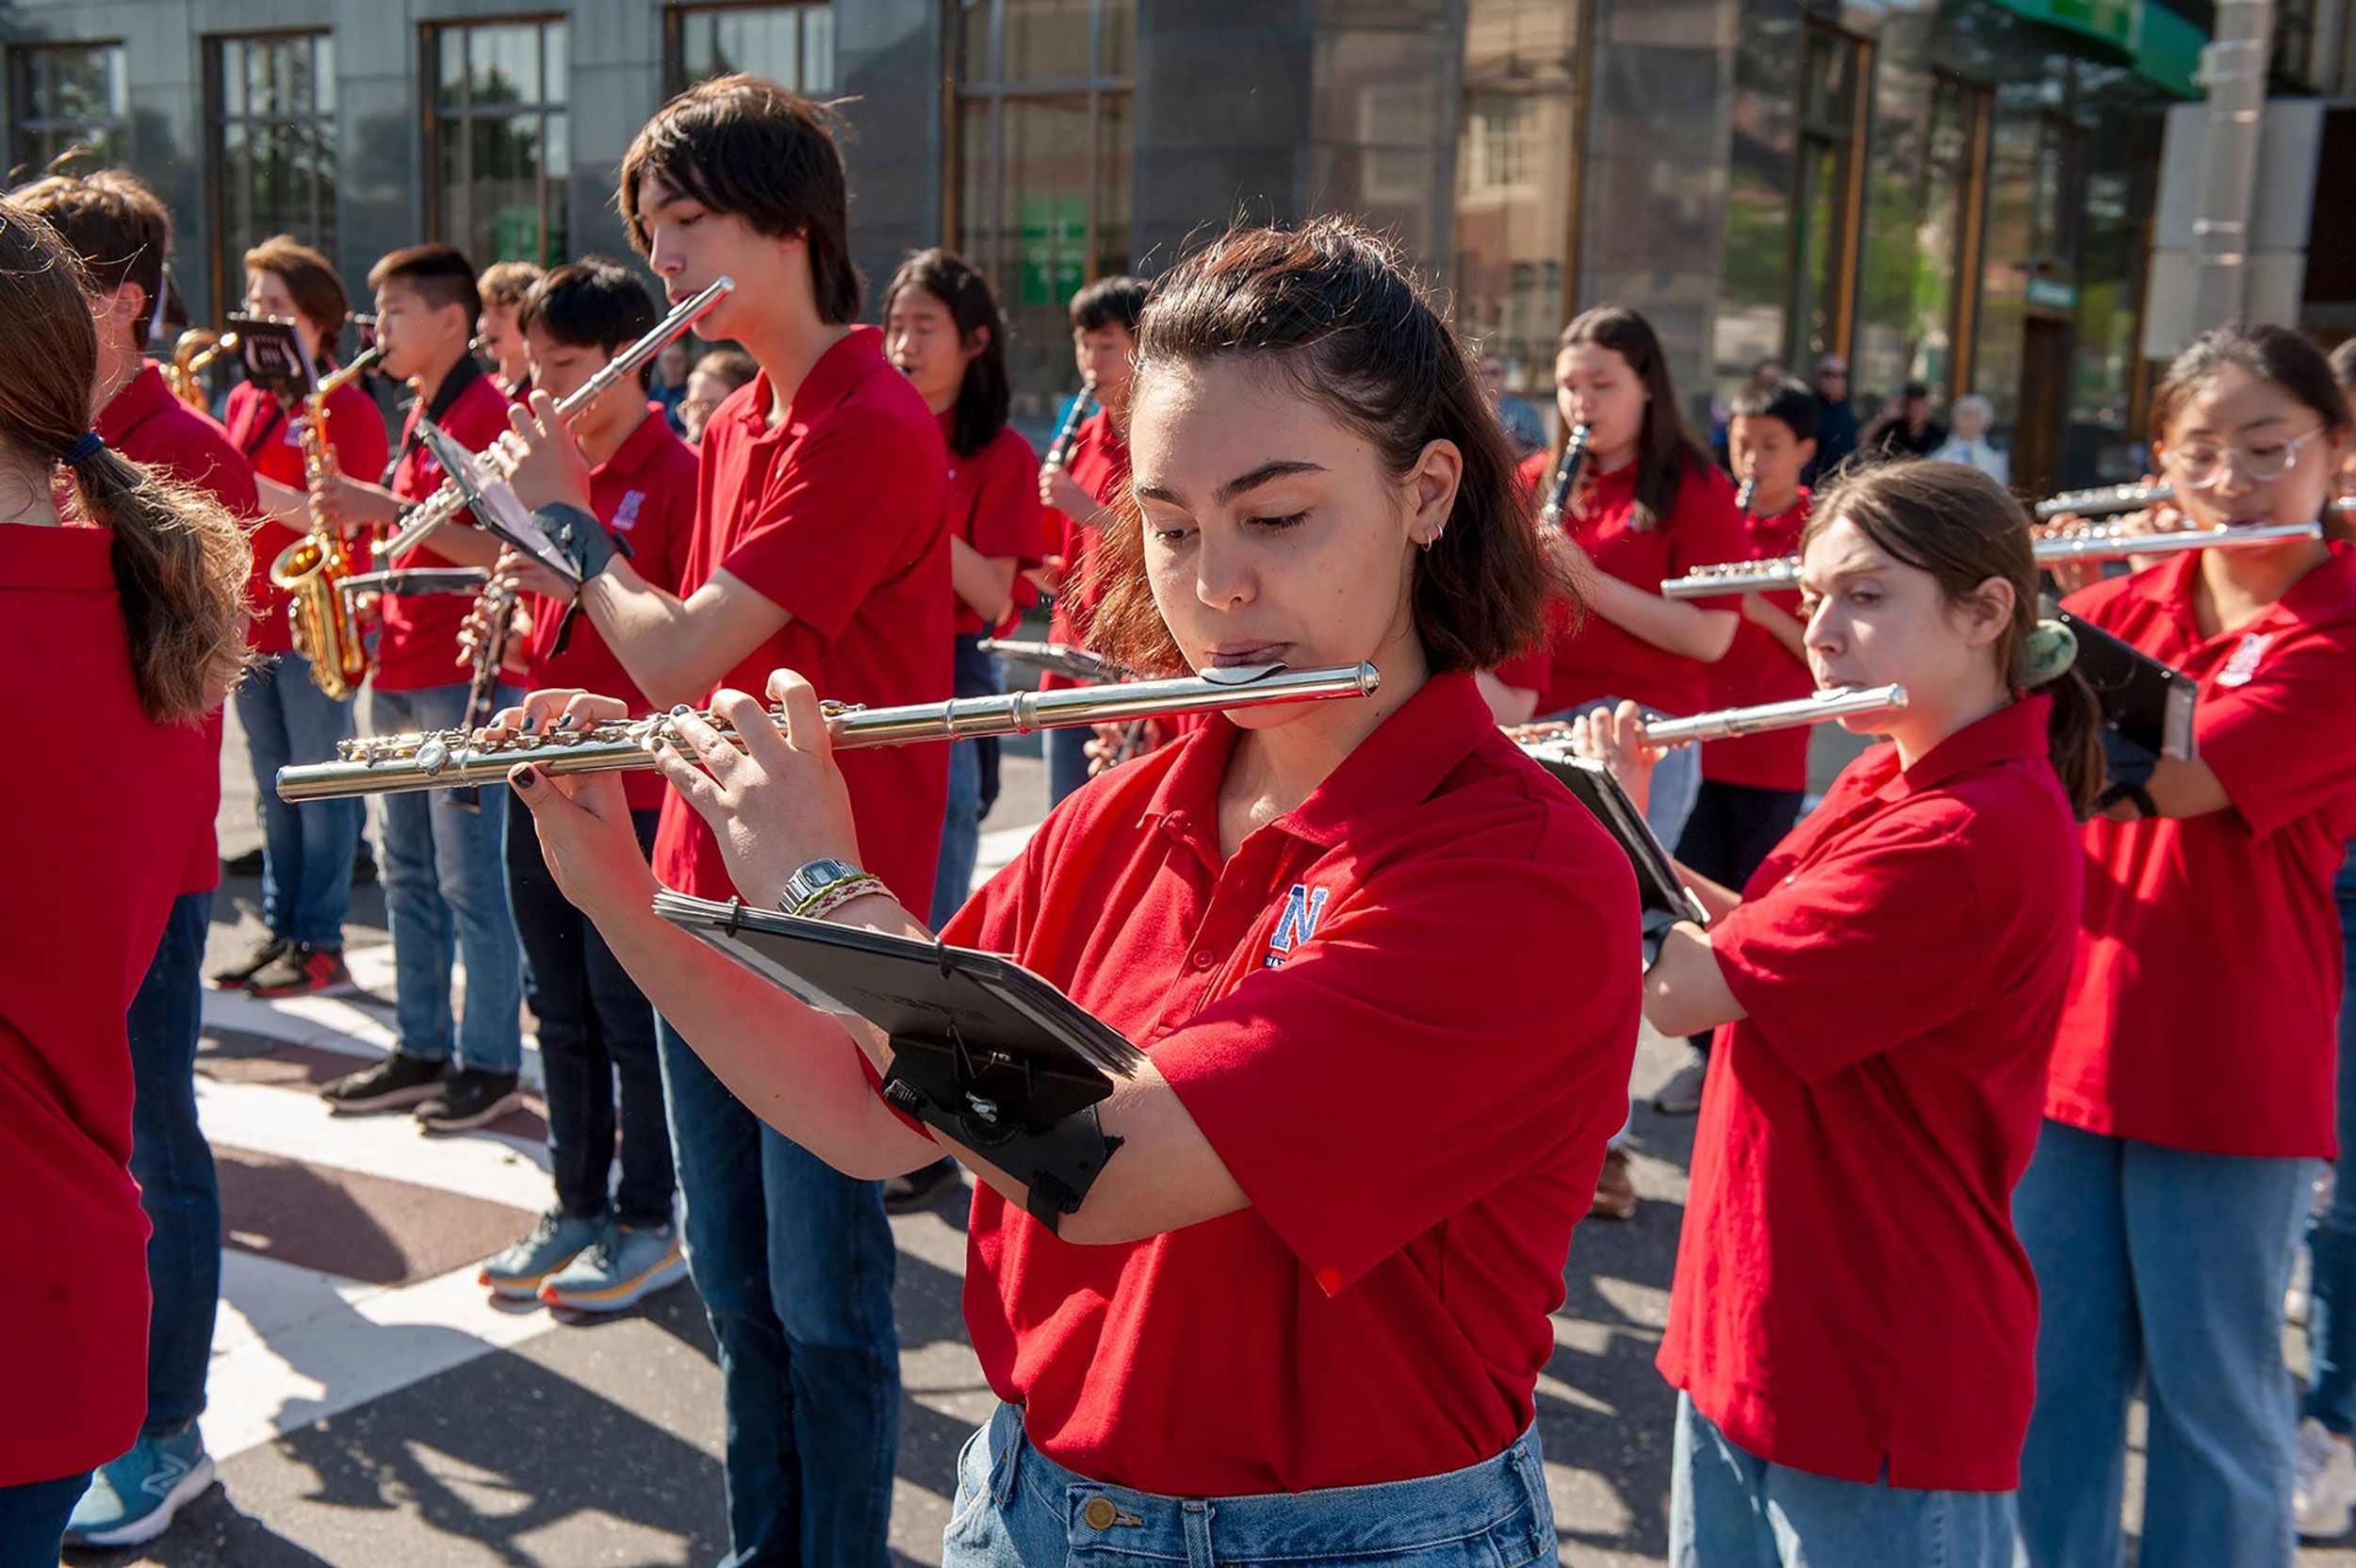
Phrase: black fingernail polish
(527,778)
(531,723)
(565,723)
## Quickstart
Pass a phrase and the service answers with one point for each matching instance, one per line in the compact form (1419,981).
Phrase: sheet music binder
(2143,699)
(494,502)
(983,1050)
(1661,891)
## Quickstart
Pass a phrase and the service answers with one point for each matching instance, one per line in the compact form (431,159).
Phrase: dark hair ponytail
(984,394)
(1963,528)
(180,560)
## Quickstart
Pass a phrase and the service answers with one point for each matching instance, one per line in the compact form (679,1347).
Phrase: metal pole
(2233,67)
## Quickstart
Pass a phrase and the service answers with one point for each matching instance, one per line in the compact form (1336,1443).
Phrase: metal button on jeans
(1100,1513)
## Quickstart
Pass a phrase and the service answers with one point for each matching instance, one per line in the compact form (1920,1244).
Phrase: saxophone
(326,632)
(190,354)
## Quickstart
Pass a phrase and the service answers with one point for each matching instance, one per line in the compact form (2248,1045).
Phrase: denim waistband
(1495,1511)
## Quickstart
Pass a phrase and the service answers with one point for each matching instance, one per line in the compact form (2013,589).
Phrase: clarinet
(1743,493)
(1059,450)
(1565,477)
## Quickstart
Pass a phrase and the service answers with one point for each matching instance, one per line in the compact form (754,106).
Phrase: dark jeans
(32,1519)
(1067,761)
(1732,828)
(173,1166)
(794,1262)
(2330,1398)
(596,1027)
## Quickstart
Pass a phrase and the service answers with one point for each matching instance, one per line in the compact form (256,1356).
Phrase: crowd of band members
(1957,1196)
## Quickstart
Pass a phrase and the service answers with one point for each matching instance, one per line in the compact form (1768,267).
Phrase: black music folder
(985,1049)
(1658,888)
(2143,699)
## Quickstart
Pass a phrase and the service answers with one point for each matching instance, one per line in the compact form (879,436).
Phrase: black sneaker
(363,866)
(398,1080)
(918,1189)
(469,1098)
(236,974)
(248,864)
(301,970)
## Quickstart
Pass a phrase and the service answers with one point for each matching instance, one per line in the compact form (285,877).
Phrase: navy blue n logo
(1304,906)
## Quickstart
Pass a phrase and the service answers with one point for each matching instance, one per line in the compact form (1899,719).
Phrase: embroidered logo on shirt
(1303,907)
(2243,663)
(626,514)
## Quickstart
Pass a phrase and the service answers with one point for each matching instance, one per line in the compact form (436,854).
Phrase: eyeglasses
(2201,464)
(1832,372)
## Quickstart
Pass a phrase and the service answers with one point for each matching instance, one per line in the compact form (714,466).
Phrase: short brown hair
(1955,522)
(506,283)
(438,274)
(1334,311)
(741,145)
(111,221)
(733,365)
(318,293)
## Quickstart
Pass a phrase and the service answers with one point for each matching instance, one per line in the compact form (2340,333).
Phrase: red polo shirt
(264,429)
(419,647)
(1760,669)
(2204,1013)
(1849,1294)
(91,872)
(147,424)
(994,506)
(836,517)
(1098,463)
(645,493)
(1362,1009)
(1596,658)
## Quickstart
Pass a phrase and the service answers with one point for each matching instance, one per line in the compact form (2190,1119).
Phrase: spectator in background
(1906,428)
(503,286)
(1836,419)
(715,376)
(1517,414)
(1969,443)
(669,389)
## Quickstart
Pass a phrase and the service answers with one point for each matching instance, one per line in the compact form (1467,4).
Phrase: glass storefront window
(497,135)
(1751,317)
(1919,223)
(67,96)
(791,45)
(1512,225)
(1823,267)
(1040,194)
(272,106)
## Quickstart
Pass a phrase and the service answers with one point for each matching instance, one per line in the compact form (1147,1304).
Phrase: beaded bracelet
(833,896)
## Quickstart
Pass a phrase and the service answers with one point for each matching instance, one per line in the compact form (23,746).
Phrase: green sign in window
(1055,248)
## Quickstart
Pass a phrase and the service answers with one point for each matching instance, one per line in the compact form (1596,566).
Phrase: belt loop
(1013,1462)
(1194,1519)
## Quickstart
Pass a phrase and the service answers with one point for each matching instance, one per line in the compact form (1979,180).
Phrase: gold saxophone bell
(310,571)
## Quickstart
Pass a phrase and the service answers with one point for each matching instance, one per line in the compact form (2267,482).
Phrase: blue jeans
(173,1166)
(307,849)
(960,833)
(446,894)
(1731,1509)
(597,1028)
(2164,1268)
(794,1262)
(33,1517)
(1067,761)
(2332,1239)
(1016,1507)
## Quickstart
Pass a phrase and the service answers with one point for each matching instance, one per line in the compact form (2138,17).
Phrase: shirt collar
(851,357)
(1395,769)
(637,448)
(2324,596)
(142,396)
(73,556)
(2015,732)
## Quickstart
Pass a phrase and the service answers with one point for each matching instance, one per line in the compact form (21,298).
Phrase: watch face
(818,874)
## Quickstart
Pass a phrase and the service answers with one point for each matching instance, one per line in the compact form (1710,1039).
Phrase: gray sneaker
(1682,1094)
(518,1272)
(625,1266)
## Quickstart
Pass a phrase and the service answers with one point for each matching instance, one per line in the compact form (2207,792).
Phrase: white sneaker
(2323,1495)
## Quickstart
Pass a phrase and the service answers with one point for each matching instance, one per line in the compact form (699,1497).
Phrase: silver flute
(1077,663)
(452,758)
(2077,546)
(2109,500)
(448,501)
(1834,702)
